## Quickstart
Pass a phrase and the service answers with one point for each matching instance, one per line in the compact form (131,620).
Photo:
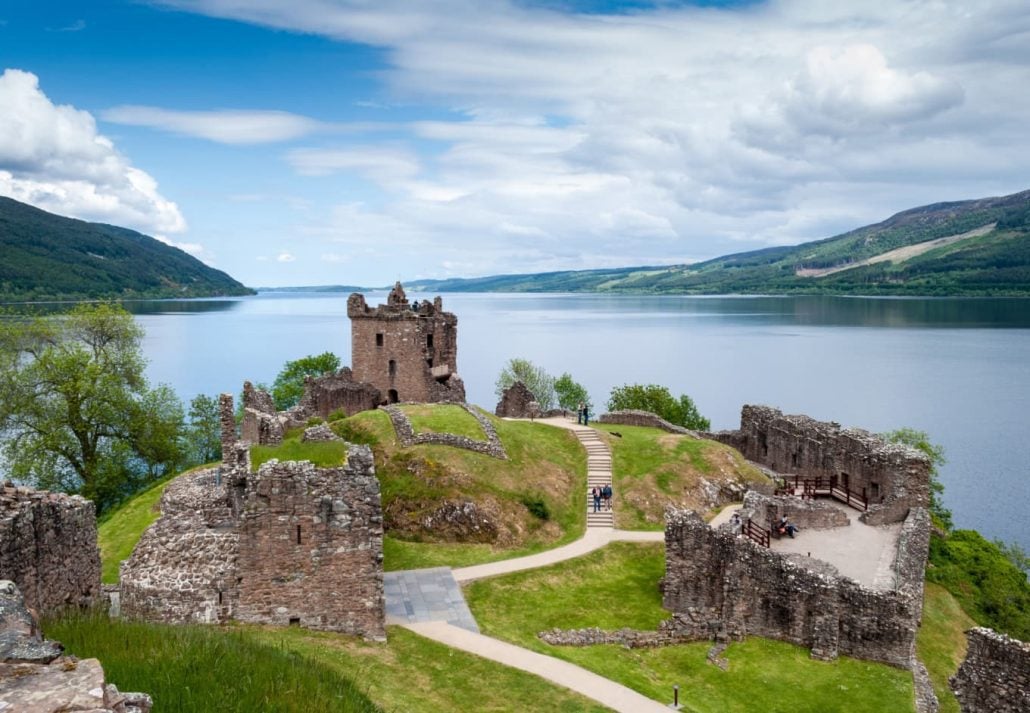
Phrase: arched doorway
(391,395)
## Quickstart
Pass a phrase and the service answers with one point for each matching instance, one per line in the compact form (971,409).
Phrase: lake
(958,369)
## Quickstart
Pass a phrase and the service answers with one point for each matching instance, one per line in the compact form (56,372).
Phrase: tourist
(607,494)
(596,492)
(586,415)
(787,527)
(736,523)
(579,413)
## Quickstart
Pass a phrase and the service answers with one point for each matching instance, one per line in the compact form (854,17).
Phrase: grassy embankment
(618,587)
(652,468)
(941,642)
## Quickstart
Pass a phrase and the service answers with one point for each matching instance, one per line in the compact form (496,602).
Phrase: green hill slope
(46,256)
(976,247)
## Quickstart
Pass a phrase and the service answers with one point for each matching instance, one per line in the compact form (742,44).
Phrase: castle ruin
(407,351)
(291,543)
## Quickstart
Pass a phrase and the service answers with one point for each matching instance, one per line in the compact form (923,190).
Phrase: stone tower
(407,351)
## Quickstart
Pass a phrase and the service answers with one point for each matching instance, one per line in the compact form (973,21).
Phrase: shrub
(658,400)
(536,506)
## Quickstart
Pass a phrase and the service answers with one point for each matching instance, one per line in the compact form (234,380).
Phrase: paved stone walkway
(608,693)
(421,595)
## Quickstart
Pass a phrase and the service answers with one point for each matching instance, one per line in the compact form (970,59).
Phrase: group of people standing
(602,498)
(583,414)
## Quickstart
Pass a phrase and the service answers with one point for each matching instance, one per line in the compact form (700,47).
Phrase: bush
(658,400)
(337,415)
(537,507)
(314,421)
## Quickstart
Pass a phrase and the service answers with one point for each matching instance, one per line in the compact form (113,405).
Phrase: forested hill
(976,247)
(46,256)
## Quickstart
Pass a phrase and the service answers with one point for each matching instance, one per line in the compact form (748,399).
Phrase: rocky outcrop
(48,547)
(517,401)
(995,676)
(35,677)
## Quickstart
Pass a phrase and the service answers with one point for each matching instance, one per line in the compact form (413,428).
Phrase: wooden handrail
(755,533)
(823,486)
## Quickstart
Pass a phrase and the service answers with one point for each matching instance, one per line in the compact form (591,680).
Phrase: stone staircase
(599,474)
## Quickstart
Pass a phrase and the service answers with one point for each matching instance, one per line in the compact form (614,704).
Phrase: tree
(204,431)
(920,440)
(538,381)
(76,412)
(658,400)
(288,386)
(570,393)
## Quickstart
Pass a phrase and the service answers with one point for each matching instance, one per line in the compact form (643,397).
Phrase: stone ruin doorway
(391,396)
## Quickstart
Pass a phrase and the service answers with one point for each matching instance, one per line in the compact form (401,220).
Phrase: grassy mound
(652,469)
(193,668)
(443,418)
(618,586)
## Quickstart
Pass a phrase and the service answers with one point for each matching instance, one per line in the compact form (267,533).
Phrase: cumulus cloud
(53,157)
(285,257)
(223,126)
(672,133)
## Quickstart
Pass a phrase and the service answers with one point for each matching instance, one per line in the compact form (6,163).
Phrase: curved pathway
(429,601)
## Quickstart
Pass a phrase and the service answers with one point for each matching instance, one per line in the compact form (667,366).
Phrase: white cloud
(52,157)
(225,126)
(672,133)
(285,257)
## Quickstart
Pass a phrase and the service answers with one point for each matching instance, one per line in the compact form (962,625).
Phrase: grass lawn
(195,668)
(617,587)
(652,468)
(322,453)
(443,418)
(121,528)
(941,641)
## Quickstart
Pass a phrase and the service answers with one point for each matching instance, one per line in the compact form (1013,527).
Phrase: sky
(318,142)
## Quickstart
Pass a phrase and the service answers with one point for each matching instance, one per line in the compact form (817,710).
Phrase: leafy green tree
(204,430)
(659,400)
(288,386)
(538,381)
(920,440)
(76,412)
(571,393)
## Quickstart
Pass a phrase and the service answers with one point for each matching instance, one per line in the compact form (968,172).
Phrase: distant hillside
(976,247)
(46,256)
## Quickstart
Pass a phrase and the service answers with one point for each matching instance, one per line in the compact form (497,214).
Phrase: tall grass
(203,669)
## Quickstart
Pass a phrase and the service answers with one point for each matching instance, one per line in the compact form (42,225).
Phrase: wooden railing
(823,486)
(756,533)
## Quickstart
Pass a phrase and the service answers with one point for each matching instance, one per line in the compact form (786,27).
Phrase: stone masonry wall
(894,477)
(332,392)
(492,446)
(995,677)
(409,355)
(767,510)
(517,401)
(634,417)
(292,543)
(311,547)
(48,547)
(726,587)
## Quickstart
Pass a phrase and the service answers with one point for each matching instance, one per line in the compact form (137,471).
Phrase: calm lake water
(956,368)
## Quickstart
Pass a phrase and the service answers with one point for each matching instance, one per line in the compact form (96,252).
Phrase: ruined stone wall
(995,677)
(893,477)
(48,547)
(332,392)
(311,547)
(291,543)
(517,401)
(409,355)
(492,446)
(262,424)
(183,569)
(722,586)
(634,417)
(767,510)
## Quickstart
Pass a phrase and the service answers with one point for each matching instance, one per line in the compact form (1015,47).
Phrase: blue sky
(343,141)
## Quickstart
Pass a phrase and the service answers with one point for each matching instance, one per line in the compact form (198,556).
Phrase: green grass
(121,528)
(194,668)
(443,418)
(411,673)
(618,586)
(322,453)
(941,641)
(652,468)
